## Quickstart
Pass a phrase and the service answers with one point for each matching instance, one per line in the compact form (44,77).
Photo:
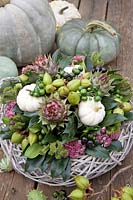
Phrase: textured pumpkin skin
(26,102)
(7,67)
(90,112)
(73,39)
(27,29)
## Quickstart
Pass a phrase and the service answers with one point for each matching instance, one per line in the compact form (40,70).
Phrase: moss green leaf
(33,151)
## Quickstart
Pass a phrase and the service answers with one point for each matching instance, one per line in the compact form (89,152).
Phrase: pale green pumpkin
(27,29)
(7,68)
(78,37)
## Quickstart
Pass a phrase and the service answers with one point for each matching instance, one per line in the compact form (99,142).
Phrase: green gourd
(27,29)
(7,68)
(78,37)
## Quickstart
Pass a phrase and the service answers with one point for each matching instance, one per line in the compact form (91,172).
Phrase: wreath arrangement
(63,117)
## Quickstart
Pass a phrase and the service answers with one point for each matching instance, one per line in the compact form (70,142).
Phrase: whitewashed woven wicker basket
(85,165)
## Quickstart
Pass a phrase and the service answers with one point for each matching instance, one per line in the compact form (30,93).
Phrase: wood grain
(75,2)
(93,9)
(120,16)
(14,186)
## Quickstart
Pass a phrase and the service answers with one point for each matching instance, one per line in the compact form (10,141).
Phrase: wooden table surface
(119,13)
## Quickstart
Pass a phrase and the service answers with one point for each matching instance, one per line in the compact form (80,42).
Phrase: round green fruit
(126,106)
(118,111)
(74,98)
(73,85)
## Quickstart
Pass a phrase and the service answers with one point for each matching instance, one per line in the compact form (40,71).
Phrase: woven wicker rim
(84,165)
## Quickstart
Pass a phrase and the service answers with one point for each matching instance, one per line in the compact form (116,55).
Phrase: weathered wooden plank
(75,2)
(14,186)
(120,15)
(93,9)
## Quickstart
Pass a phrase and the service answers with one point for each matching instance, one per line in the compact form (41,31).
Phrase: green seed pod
(114,198)
(76,194)
(87,75)
(18,86)
(63,91)
(74,98)
(36,195)
(128,190)
(32,138)
(50,88)
(17,138)
(47,79)
(85,83)
(23,78)
(82,182)
(118,111)
(126,196)
(24,143)
(58,82)
(73,85)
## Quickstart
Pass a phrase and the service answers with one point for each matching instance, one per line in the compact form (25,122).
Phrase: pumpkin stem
(96,23)
(4,2)
(63,9)
(96,109)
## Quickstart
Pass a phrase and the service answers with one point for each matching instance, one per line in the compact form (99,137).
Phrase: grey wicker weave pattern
(85,165)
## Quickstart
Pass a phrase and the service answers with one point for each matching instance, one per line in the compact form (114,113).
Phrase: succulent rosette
(59,111)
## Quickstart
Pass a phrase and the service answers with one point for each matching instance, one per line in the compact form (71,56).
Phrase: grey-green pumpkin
(27,29)
(78,37)
(7,68)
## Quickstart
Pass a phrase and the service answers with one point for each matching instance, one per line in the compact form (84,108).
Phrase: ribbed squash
(27,29)
(26,102)
(7,67)
(91,113)
(78,37)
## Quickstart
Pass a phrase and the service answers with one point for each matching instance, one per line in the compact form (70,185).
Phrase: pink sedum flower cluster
(9,109)
(106,139)
(78,59)
(38,66)
(75,148)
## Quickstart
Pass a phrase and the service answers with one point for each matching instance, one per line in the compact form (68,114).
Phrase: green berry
(83,92)
(62,72)
(76,71)
(99,93)
(84,98)
(80,68)
(36,94)
(41,85)
(41,92)
(97,98)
